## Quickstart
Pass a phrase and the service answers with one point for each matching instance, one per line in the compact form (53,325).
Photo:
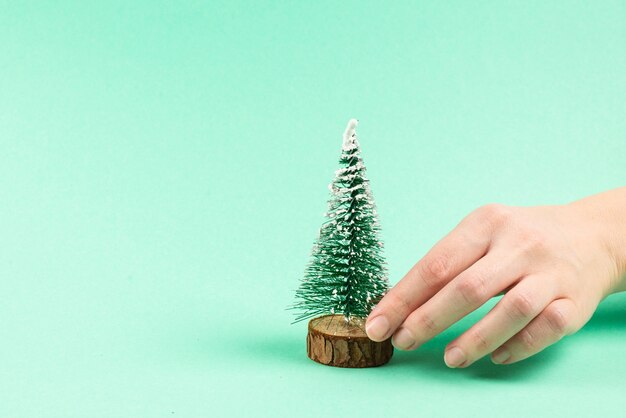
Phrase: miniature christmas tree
(347,274)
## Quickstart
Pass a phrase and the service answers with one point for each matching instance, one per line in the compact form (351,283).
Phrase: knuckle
(557,321)
(435,270)
(425,322)
(520,306)
(480,341)
(527,340)
(495,213)
(398,303)
(533,241)
(472,289)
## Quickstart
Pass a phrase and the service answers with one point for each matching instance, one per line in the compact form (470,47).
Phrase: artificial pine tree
(346,276)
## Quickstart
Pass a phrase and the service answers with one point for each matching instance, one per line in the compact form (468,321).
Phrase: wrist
(606,215)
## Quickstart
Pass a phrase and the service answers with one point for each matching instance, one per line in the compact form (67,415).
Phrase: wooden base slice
(334,342)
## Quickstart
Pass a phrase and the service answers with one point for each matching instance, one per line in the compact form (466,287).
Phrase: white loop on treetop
(350,129)
(349,136)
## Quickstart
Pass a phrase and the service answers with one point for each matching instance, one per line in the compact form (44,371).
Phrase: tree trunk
(334,342)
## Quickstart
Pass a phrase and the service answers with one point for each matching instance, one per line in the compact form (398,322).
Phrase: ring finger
(513,312)
(558,319)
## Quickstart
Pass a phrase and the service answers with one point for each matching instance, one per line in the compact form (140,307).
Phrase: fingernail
(454,357)
(403,339)
(377,328)
(500,356)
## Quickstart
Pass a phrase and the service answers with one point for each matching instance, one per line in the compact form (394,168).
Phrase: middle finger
(490,275)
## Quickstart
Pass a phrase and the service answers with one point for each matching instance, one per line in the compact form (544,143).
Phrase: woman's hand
(554,263)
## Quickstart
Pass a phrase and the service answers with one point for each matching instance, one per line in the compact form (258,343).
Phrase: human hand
(554,263)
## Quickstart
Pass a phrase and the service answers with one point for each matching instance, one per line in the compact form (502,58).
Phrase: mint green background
(163,172)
